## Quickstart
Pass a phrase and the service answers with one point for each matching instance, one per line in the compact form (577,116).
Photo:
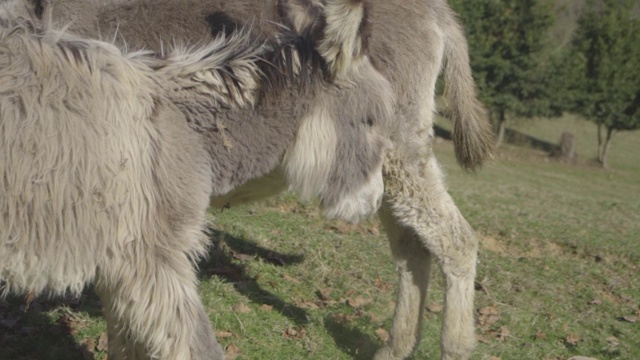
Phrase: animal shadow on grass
(30,330)
(350,340)
(220,262)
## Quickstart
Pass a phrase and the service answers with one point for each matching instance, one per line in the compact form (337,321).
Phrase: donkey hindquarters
(103,181)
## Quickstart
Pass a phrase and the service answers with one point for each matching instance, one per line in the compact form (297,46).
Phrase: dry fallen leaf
(373,230)
(382,285)
(69,322)
(87,347)
(483,339)
(241,308)
(481,286)
(243,257)
(307,305)
(223,334)
(342,318)
(265,307)
(630,318)
(291,279)
(231,352)
(540,335)
(341,227)
(359,302)
(292,333)
(324,294)
(382,334)
(613,341)
(103,342)
(572,339)
(489,315)
(503,333)
(434,307)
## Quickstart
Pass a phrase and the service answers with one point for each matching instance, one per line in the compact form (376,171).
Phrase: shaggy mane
(236,69)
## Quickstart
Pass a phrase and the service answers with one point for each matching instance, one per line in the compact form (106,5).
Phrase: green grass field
(557,277)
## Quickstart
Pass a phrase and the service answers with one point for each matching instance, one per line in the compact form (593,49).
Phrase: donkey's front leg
(413,264)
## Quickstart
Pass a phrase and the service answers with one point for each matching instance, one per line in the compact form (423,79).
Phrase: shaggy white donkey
(108,160)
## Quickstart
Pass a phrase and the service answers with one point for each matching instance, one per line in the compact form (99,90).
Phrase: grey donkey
(108,160)
(406,41)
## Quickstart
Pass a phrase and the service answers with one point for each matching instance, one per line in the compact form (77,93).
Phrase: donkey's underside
(407,42)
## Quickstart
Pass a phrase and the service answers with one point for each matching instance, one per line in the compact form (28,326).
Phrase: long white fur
(310,159)
(206,66)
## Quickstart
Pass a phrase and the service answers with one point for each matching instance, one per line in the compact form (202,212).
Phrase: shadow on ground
(34,331)
(351,340)
(225,248)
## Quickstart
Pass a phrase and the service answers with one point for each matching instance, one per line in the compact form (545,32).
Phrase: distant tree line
(597,75)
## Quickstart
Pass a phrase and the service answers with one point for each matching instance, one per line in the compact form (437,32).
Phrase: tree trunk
(605,149)
(566,151)
(501,127)
(600,143)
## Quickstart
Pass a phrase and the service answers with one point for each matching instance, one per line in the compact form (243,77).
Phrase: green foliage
(608,46)
(506,41)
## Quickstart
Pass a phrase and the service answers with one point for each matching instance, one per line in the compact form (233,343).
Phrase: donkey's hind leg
(419,203)
(413,263)
(153,310)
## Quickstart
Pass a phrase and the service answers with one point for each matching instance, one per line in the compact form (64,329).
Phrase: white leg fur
(419,202)
(413,263)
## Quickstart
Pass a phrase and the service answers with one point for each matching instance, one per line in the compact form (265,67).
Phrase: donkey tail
(472,133)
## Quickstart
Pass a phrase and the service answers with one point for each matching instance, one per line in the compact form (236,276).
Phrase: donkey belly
(254,190)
